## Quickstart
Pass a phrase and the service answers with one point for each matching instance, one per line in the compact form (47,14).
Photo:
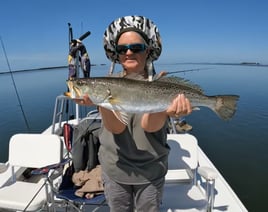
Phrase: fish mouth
(74,92)
(68,94)
(71,95)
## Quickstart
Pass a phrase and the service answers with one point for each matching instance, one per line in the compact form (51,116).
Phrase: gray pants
(127,198)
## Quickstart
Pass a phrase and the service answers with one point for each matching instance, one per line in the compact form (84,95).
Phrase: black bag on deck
(85,145)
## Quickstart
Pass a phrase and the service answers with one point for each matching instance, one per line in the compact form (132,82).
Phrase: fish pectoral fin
(121,116)
(113,101)
(110,98)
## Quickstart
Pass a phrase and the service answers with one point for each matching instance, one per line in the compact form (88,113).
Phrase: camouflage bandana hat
(140,24)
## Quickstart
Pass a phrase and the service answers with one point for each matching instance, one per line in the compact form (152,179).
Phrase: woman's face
(132,62)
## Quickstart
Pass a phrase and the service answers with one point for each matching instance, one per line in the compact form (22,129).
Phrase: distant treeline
(233,64)
(205,63)
(39,69)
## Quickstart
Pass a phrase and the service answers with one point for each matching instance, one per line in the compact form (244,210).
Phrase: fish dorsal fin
(181,81)
(135,76)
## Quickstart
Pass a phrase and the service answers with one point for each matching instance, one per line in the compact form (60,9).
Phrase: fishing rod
(85,35)
(70,36)
(183,71)
(165,73)
(70,33)
(82,37)
(14,85)
(73,42)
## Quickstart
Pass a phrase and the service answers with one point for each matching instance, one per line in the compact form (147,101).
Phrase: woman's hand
(180,106)
(152,122)
(85,101)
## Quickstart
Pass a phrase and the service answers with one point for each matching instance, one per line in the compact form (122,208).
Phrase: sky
(35,32)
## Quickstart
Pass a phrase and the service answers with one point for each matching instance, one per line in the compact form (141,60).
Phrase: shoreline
(254,64)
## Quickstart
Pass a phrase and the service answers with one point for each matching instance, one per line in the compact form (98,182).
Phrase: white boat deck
(173,200)
(225,198)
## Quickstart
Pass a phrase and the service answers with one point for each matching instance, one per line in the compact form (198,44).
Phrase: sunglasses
(135,48)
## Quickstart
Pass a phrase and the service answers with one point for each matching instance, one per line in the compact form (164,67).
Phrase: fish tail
(225,106)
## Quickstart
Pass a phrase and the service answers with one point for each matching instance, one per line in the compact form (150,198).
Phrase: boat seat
(83,154)
(182,190)
(28,151)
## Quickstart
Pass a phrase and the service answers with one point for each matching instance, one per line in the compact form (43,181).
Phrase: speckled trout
(124,95)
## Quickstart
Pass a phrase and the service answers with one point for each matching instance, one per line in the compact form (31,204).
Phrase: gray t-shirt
(134,156)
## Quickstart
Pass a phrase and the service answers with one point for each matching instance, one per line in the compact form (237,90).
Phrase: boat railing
(66,110)
(59,116)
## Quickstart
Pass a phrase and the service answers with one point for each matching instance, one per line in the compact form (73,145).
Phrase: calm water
(238,148)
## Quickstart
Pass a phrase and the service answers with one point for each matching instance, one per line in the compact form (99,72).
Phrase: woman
(134,156)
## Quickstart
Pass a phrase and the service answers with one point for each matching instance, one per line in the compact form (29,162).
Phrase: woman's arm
(152,122)
(109,120)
